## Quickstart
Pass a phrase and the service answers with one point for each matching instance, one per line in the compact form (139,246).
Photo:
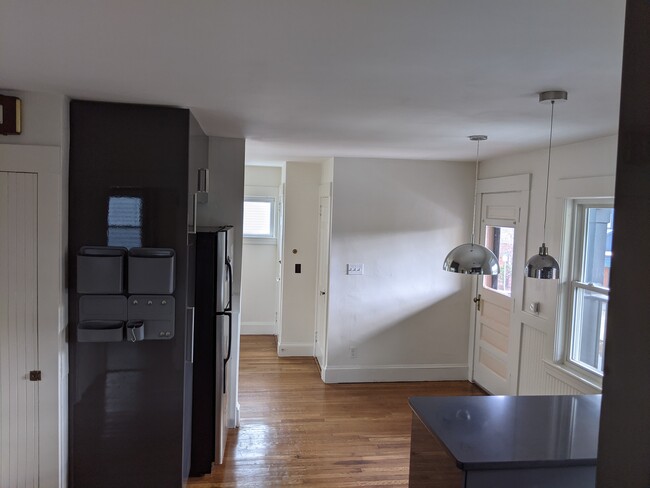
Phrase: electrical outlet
(353,352)
(355,269)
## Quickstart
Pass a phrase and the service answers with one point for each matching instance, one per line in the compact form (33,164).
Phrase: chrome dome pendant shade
(543,266)
(471,258)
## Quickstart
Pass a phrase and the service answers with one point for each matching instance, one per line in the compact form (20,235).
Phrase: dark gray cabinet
(129,398)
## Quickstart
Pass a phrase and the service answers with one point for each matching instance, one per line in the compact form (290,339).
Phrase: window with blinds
(125,221)
(259,218)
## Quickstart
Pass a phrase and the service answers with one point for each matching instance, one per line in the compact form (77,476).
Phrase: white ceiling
(320,78)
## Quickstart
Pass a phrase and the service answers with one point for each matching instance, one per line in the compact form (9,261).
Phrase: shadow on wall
(392,202)
(418,330)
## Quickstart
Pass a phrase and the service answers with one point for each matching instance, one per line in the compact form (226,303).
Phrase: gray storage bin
(102,307)
(100,270)
(151,271)
(100,331)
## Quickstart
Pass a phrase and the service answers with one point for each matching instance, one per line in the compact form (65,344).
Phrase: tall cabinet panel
(129,398)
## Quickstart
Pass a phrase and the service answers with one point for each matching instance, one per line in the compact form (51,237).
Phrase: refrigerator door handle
(189,343)
(228,307)
(225,361)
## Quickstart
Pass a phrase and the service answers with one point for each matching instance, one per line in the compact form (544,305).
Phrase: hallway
(298,431)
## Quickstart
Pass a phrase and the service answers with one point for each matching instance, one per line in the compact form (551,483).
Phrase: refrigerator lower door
(221,401)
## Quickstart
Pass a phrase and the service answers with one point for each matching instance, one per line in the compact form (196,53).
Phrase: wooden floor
(297,431)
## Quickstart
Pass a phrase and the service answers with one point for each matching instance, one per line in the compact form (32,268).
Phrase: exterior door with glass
(502,228)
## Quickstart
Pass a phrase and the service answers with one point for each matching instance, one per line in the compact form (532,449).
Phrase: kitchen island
(504,441)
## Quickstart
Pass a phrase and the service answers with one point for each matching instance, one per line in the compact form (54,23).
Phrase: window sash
(590,302)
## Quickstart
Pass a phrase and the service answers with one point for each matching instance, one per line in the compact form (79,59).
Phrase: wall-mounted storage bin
(151,271)
(100,270)
(100,331)
(102,307)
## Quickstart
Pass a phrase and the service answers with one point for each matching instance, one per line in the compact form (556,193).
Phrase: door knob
(477,300)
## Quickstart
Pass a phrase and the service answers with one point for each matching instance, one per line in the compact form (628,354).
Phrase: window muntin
(500,240)
(589,286)
(259,217)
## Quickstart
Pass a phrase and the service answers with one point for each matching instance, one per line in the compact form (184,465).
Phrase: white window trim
(599,189)
(574,265)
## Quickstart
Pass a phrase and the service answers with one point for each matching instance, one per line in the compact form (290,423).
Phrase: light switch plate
(355,269)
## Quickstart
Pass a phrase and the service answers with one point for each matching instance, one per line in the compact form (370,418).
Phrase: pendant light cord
(548,169)
(478,143)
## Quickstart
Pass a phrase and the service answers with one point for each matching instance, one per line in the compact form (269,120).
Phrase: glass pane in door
(501,241)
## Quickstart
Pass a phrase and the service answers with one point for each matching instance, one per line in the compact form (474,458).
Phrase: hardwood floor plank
(298,431)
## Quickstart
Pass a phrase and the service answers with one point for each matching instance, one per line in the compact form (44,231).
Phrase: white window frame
(263,238)
(576,221)
(595,189)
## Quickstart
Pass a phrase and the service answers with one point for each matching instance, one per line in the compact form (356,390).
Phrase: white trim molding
(293,349)
(259,328)
(394,372)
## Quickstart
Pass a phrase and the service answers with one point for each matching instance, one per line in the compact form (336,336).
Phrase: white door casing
(279,255)
(322,298)
(45,165)
(495,333)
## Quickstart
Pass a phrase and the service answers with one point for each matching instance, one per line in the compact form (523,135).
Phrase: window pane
(589,324)
(258,218)
(598,246)
(125,221)
(125,211)
(125,237)
(501,241)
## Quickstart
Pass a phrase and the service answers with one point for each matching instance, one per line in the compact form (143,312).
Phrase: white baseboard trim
(259,328)
(289,349)
(394,372)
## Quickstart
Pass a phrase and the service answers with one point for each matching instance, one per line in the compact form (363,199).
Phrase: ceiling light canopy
(543,266)
(471,258)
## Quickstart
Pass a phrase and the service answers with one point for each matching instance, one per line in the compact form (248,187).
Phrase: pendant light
(543,266)
(472,259)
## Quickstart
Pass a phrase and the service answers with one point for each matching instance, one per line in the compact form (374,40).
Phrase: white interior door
(320,340)
(19,429)
(496,335)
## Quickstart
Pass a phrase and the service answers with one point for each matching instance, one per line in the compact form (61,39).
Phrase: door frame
(324,190)
(46,162)
(505,184)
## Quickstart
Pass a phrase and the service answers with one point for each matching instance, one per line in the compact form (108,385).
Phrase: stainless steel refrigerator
(212,346)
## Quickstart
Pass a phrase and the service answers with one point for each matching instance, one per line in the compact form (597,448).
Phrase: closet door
(19,454)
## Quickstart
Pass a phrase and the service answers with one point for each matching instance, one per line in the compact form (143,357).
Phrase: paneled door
(19,429)
(496,340)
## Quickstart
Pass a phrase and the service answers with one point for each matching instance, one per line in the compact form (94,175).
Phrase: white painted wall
(406,318)
(327,174)
(260,260)
(45,123)
(225,206)
(592,158)
(296,337)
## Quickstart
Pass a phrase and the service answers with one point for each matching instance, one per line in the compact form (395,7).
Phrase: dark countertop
(498,432)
